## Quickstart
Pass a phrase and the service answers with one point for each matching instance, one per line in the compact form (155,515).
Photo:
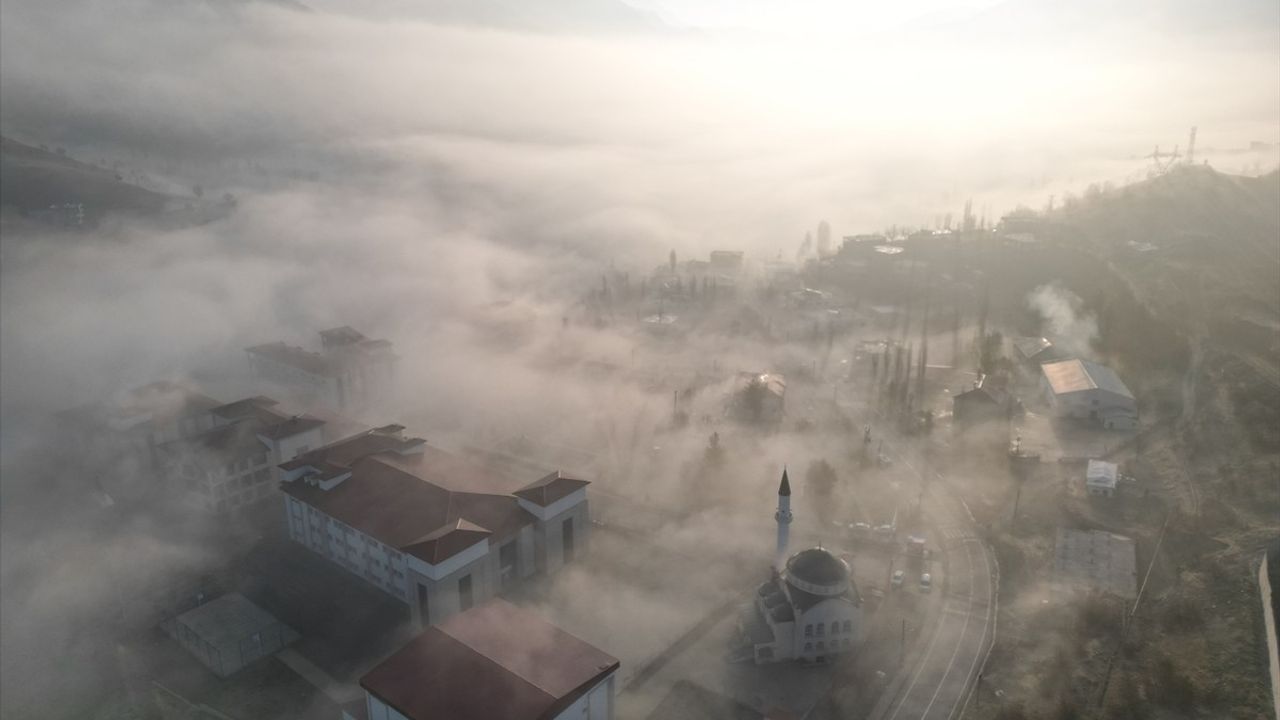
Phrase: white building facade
(388,513)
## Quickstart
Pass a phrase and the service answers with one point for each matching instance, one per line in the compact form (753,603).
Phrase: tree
(753,399)
(713,457)
(820,480)
(824,239)
(990,352)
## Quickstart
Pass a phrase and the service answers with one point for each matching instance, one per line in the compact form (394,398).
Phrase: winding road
(936,681)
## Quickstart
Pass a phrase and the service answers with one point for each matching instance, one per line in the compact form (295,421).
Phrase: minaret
(783,516)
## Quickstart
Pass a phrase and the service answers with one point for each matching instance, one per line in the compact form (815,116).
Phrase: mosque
(809,610)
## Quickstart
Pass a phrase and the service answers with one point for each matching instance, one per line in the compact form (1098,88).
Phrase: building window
(845,642)
(848,627)
(808,631)
(822,629)
(808,647)
(566,534)
(464,592)
(822,647)
(835,627)
(424,608)
(507,562)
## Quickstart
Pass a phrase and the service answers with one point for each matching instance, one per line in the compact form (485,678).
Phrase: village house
(986,401)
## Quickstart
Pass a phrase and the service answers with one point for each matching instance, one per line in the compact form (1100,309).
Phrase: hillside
(32,179)
(1202,250)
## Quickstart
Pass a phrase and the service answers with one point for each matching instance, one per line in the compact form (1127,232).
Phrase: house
(229,633)
(233,464)
(1100,478)
(492,662)
(808,611)
(726,262)
(441,532)
(985,401)
(1085,390)
(350,370)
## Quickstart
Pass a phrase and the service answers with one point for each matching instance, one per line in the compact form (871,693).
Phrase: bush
(1096,617)
(1173,688)
(1182,614)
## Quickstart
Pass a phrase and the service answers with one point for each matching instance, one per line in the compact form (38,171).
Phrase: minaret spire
(783,518)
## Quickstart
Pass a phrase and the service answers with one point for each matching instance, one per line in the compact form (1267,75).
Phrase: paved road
(940,671)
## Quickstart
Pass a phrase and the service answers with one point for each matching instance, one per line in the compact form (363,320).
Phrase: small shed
(1036,351)
(230,632)
(1100,478)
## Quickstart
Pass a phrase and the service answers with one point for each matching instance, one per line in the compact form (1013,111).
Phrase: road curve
(945,663)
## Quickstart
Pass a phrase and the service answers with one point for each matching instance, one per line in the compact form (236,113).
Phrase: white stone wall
(595,704)
(379,710)
(825,623)
(379,565)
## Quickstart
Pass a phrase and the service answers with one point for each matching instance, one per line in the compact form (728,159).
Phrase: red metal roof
(549,489)
(429,503)
(493,662)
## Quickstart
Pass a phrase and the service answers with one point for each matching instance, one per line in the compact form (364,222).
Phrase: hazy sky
(820,17)
(474,152)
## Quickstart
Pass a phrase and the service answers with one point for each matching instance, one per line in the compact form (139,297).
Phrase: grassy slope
(1195,647)
(31,179)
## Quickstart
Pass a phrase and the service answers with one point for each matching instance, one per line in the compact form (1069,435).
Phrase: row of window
(822,646)
(835,628)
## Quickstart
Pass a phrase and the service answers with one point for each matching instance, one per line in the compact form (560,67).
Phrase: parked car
(898,577)
(926,583)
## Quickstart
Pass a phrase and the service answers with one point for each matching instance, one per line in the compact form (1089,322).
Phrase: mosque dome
(818,572)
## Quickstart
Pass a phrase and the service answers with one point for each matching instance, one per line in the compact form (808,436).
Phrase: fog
(457,178)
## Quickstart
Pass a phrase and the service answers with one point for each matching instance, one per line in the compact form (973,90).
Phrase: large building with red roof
(493,662)
(439,531)
(232,464)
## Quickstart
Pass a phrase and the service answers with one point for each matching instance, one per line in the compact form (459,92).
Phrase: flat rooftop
(1097,559)
(227,620)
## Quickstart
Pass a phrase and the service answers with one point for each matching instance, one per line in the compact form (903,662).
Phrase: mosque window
(848,626)
(808,631)
(835,626)
(822,628)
